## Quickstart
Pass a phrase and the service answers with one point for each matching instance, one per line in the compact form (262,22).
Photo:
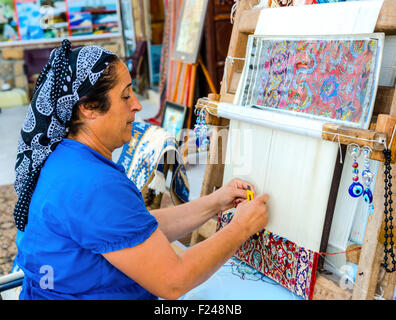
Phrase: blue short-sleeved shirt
(83,205)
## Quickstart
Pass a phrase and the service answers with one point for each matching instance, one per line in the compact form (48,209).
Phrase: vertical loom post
(169,84)
(190,102)
(372,252)
(178,72)
(187,97)
(191,93)
(183,90)
(214,169)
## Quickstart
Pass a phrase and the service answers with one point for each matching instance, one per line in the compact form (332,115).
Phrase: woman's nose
(135,104)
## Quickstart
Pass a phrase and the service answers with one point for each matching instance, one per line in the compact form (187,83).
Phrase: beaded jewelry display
(201,131)
(356,188)
(390,266)
(367,179)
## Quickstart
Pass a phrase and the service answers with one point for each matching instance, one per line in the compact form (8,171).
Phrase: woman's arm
(176,222)
(165,274)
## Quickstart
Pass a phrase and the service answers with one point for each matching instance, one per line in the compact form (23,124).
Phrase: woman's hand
(232,193)
(252,216)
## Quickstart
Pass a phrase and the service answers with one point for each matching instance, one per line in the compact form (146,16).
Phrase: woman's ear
(87,111)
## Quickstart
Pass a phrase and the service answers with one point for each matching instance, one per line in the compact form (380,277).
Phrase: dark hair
(97,98)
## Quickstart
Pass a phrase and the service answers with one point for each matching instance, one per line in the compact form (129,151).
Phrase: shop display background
(48,19)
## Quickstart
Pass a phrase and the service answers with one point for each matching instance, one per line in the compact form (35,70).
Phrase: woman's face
(114,127)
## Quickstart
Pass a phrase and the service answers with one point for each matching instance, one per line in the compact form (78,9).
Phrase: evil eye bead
(368,196)
(356,189)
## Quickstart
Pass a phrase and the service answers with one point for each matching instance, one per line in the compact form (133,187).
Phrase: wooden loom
(383,122)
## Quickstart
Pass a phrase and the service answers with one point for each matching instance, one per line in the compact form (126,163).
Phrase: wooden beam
(383,100)
(374,139)
(347,135)
(387,18)
(246,18)
(177,248)
(388,285)
(353,253)
(248,21)
(386,124)
(326,289)
(205,231)
(213,175)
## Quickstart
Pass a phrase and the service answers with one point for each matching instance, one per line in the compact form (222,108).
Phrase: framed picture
(174,118)
(29,19)
(8,21)
(189,31)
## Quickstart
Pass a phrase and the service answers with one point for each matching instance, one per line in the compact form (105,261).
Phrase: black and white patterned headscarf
(68,76)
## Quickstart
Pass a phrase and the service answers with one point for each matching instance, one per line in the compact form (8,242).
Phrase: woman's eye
(126,98)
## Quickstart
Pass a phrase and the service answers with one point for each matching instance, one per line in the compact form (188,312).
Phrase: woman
(89,235)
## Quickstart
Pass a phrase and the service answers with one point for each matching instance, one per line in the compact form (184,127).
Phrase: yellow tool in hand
(250,196)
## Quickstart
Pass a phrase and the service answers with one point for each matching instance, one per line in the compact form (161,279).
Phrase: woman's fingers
(263,197)
(244,185)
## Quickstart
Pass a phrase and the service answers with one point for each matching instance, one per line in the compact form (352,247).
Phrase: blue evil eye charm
(356,189)
(368,196)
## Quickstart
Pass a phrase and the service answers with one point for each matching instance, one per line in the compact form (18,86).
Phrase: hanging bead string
(356,188)
(201,131)
(367,179)
(388,212)
(207,109)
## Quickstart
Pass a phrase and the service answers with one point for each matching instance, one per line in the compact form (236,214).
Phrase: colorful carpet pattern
(324,79)
(290,265)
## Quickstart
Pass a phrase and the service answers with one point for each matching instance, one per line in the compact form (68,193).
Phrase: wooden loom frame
(369,257)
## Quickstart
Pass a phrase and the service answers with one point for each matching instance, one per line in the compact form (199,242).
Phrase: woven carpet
(8,247)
